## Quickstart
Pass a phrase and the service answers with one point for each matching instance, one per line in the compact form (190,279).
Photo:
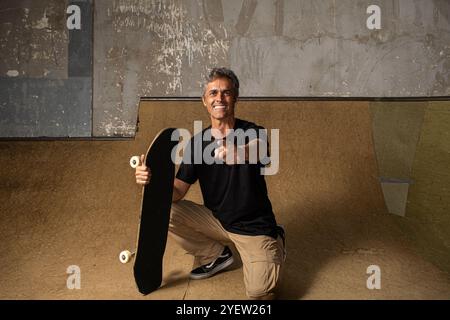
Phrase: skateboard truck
(125,256)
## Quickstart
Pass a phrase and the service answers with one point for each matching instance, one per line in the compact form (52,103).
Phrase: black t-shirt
(236,194)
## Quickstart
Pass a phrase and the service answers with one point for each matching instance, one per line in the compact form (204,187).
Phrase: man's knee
(262,280)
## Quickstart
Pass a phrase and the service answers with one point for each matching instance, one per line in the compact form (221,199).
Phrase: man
(237,208)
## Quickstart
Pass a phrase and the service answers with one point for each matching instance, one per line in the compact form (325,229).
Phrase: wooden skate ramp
(76,203)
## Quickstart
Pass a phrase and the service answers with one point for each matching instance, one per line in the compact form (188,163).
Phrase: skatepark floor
(75,203)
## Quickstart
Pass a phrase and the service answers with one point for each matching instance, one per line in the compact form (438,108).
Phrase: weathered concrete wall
(165,48)
(277,48)
(156,48)
(45,70)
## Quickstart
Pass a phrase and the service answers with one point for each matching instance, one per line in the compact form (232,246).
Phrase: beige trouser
(198,232)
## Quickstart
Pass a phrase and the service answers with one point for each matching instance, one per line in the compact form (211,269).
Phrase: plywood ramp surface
(76,203)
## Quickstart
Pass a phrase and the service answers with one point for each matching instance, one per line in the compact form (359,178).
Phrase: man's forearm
(180,188)
(176,194)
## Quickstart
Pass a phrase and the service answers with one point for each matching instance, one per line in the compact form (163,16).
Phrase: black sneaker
(210,269)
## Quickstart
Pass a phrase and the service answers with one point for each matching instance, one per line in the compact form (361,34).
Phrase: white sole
(220,267)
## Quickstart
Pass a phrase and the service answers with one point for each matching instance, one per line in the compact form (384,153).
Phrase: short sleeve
(187,173)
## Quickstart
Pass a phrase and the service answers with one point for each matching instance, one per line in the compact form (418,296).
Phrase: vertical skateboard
(155,211)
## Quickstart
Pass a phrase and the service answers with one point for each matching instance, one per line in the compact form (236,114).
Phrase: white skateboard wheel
(125,256)
(135,161)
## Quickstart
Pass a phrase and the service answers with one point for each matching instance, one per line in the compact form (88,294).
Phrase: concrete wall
(154,48)
(277,48)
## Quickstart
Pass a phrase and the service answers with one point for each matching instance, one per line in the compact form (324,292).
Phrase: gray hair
(224,73)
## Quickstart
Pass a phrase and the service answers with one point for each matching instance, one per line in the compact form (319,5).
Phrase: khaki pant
(198,232)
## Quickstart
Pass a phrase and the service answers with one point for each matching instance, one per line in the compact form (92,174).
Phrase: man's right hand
(143,173)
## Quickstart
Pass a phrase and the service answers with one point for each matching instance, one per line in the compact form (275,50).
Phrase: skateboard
(155,211)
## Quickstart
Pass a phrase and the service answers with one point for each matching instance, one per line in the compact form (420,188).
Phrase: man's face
(219,98)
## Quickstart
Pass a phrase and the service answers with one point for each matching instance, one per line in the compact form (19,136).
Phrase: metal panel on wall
(46,68)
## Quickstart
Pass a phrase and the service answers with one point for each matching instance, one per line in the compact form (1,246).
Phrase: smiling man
(236,209)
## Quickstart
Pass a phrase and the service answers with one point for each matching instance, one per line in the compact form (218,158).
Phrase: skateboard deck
(155,212)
